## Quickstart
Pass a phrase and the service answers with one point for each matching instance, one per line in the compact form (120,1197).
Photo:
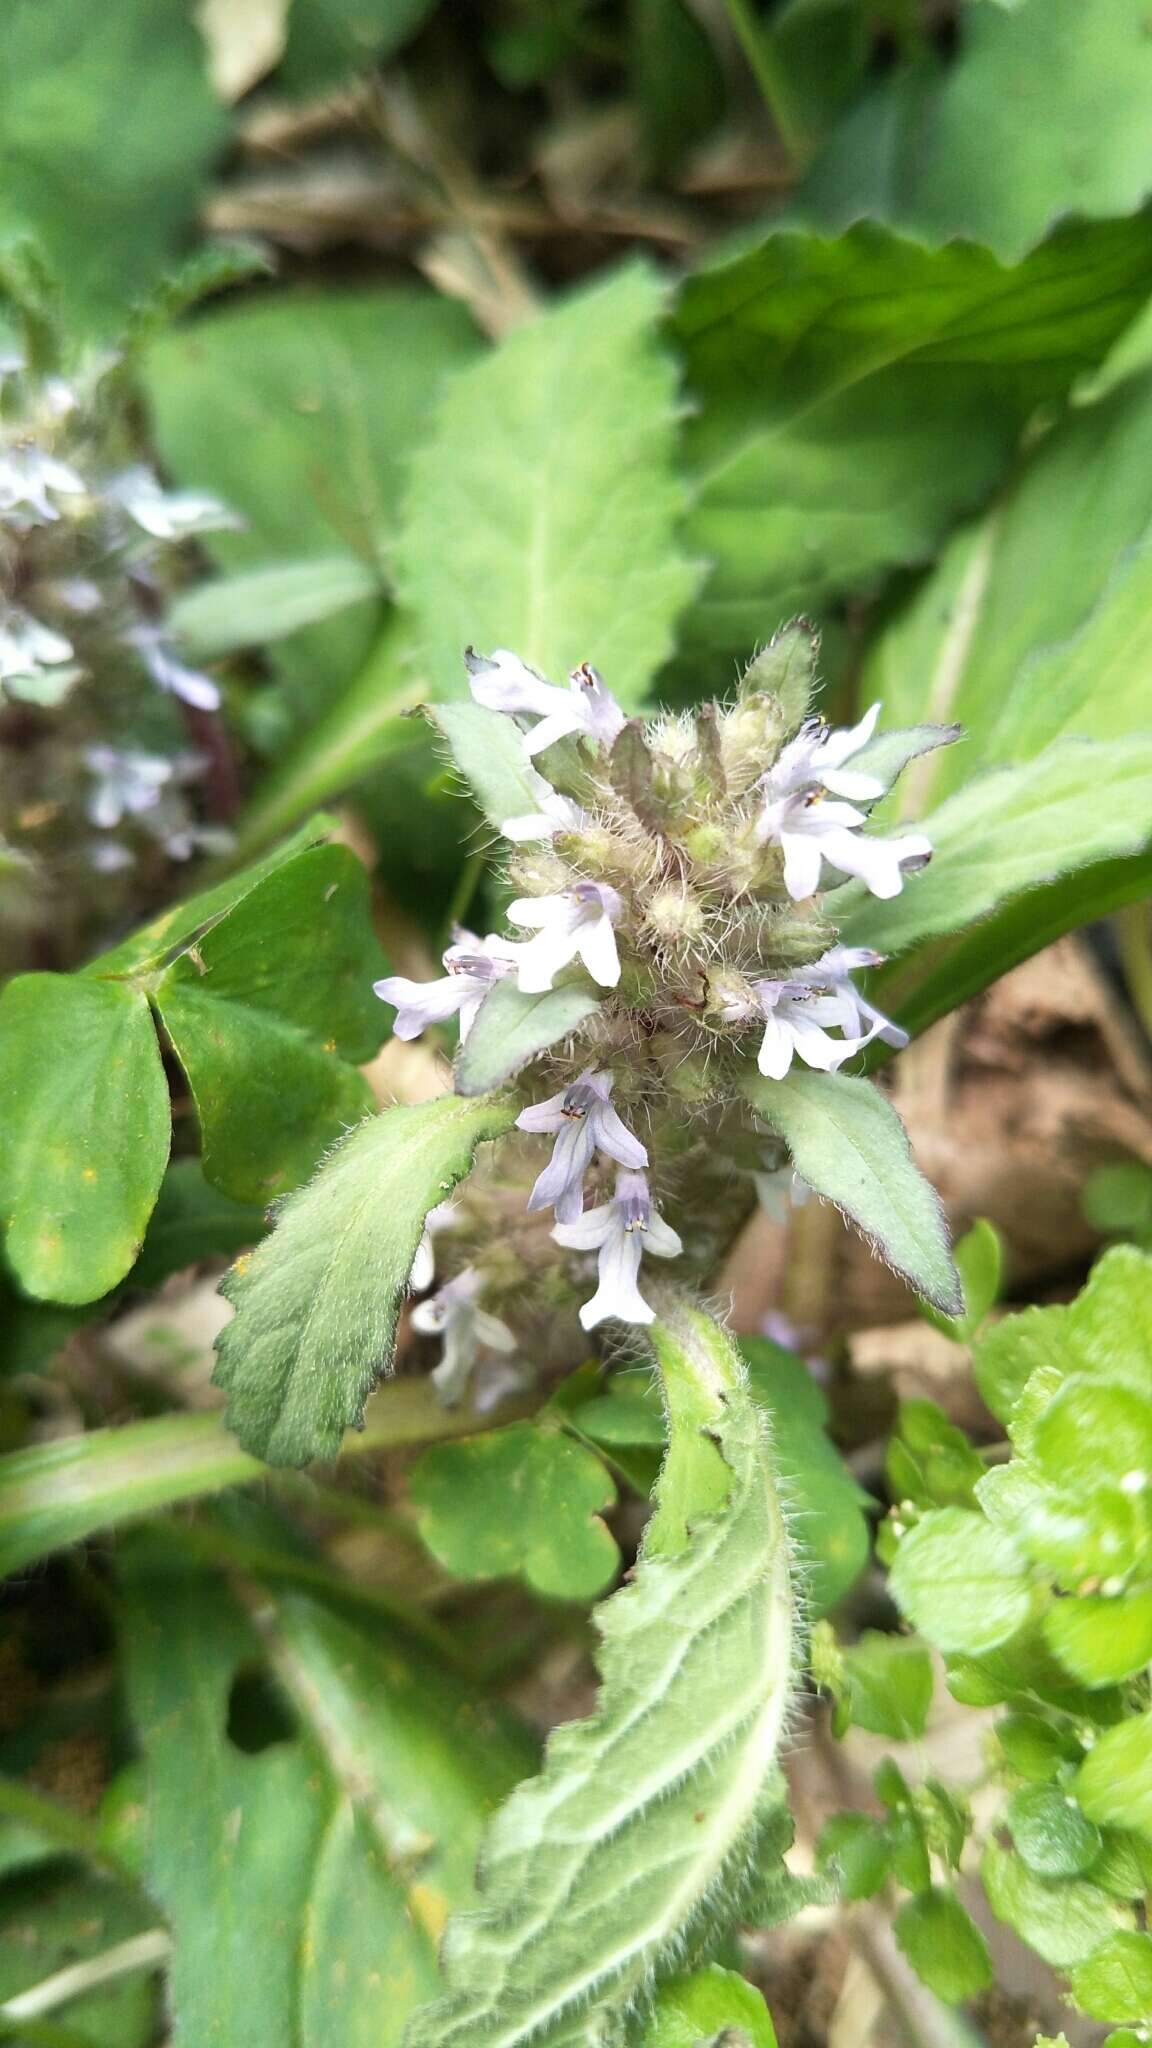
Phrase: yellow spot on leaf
(430,1907)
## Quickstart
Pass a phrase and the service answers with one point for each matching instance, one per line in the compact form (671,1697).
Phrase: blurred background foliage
(620,330)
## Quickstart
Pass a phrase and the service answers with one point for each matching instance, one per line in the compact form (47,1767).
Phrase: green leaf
(1114,1782)
(961,1582)
(1106,1333)
(265,1014)
(52,1921)
(854,395)
(1019,659)
(332,1853)
(1026,88)
(945,1948)
(547,527)
(511,1028)
(488,750)
(329,40)
(1051,1834)
(829,1525)
(889,1685)
(61,1491)
(645,1816)
(1009,831)
(1062,1920)
(710,2005)
(335,390)
(259,605)
(317,1302)
(1101,1640)
(86,1129)
(193,1221)
(1035,1748)
(1115,1983)
(1118,1199)
(848,1143)
(524,1500)
(677,80)
(72,176)
(859,1850)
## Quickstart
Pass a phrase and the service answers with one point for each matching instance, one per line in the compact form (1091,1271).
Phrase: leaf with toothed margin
(848,1143)
(648,1817)
(318,1301)
(488,750)
(511,1028)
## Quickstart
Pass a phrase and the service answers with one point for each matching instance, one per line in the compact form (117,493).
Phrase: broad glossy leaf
(330,1857)
(962,1582)
(67,1488)
(267,1011)
(1025,87)
(1115,1982)
(334,389)
(848,1143)
(72,176)
(545,526)
(1050,1832)
(643,1819)
(856,394)
(943,1945)
(1010,831)
(317,1303)
(1114,1783)
(512,1028)
(711,2004)
(524,1501)
(193,1221)
(85,1132)
(1063,1919)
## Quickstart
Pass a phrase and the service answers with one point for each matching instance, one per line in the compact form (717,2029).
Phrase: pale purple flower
(833,970)
(167,515)
(620,1232)
(473,966)
(126,782)
(575,925)
(810,829)
(465,1330)
(554,813)
(27,647)
(423,1271)
(795,1020)
(585,1122)
(815,760)
(31,480)
(502,682)
(170,674)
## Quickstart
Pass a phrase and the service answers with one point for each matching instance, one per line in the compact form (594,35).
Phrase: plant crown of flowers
(679,868)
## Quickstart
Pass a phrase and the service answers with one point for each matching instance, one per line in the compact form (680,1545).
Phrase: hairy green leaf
(547,527)
(511,1028)
(524,1500)
(848,1143)
(1008,832)
(856,394)
(317,1302)
(488,750)
(84,1132)
(267,1012)
(329,1853)
(643,1820)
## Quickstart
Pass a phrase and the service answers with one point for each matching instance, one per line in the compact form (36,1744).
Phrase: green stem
(771,78)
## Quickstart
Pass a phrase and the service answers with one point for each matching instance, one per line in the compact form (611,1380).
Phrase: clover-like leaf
(524,1501)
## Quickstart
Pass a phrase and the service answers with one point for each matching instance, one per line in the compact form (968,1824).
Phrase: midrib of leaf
(711,1606)
(874,366)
